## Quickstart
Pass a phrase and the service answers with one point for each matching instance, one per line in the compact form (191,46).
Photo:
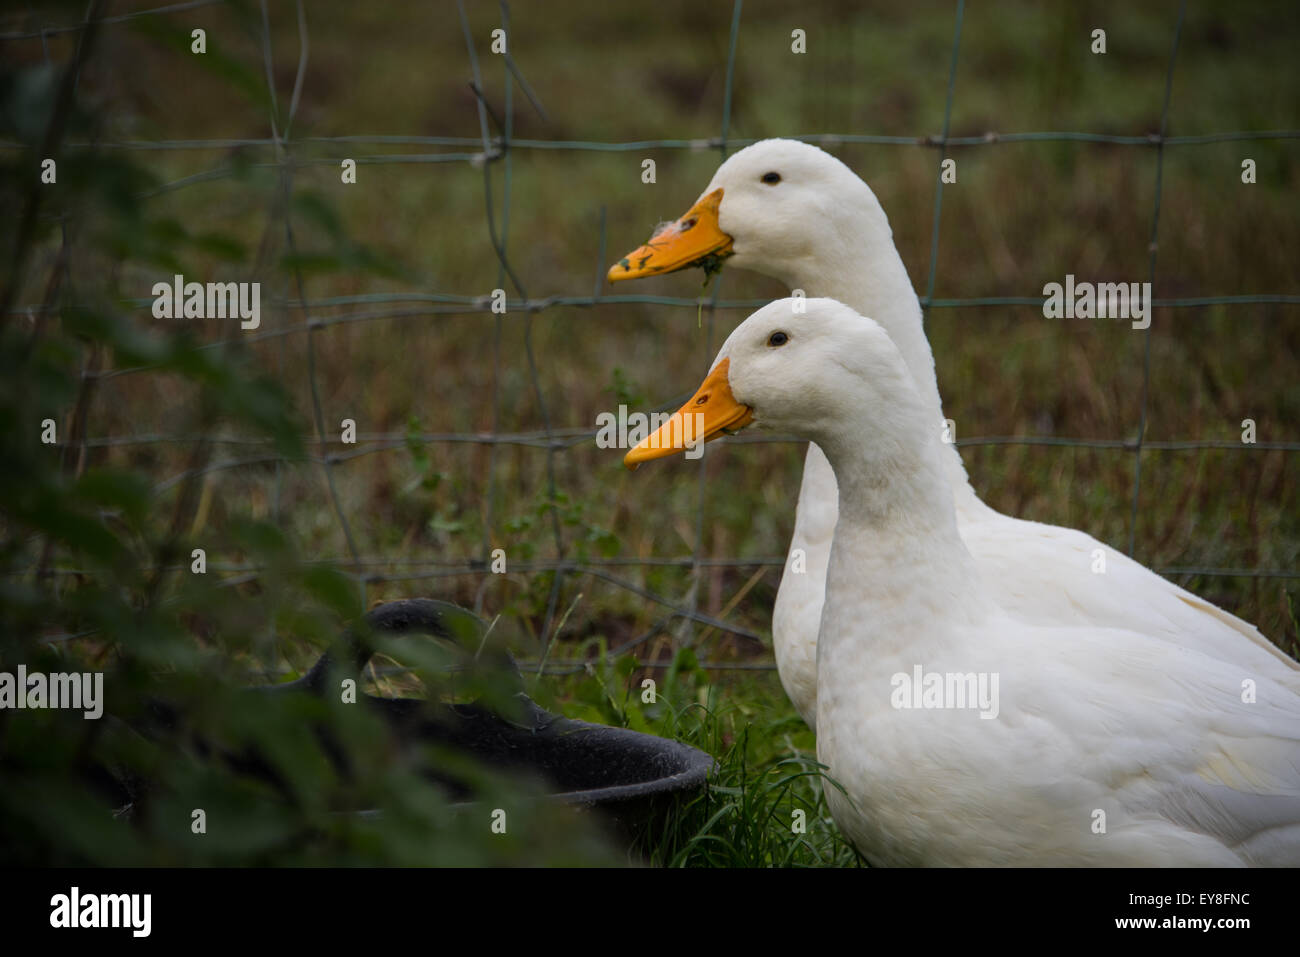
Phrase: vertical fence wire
(943,152)
(692,599)
(498,243)
(328,460)
(1153,248)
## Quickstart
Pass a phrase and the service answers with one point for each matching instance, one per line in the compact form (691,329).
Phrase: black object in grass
(631,776)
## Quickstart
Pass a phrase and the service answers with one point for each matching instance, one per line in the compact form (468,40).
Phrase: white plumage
(1118,739)
(820,229)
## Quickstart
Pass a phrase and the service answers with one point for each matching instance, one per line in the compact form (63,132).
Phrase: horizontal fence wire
(497,146)
(490,149)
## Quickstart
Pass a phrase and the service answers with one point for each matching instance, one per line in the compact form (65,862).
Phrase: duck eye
(772,178)
(777,339)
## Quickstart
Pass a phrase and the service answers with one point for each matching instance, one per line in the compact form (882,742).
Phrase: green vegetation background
(88,523)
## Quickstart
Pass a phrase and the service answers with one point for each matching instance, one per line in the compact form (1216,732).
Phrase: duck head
(810,367)
(779,207)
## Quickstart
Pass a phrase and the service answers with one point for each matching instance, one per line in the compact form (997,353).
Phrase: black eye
(777,339)
(772,178)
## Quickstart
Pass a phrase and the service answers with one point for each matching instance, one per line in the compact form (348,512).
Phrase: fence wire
(490,149)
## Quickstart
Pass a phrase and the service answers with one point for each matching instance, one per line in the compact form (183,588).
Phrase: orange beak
(712,411)
(694,240)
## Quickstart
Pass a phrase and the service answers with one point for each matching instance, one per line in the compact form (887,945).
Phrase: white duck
(1105,746)
(794,212)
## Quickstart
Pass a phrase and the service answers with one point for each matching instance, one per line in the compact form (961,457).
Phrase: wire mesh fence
(493,149)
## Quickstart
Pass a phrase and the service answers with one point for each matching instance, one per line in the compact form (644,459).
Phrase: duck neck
(897,531)
(866,273)
(874,281)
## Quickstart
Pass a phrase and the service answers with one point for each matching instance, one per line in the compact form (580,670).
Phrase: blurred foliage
(98,575)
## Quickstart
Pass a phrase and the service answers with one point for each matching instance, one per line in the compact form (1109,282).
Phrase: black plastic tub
(629,777)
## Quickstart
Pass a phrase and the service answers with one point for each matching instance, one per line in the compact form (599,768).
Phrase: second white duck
(1055,744)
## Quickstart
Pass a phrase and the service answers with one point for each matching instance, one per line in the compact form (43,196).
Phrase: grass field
(1020,215)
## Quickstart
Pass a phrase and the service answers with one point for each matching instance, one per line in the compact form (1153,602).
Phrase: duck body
(956,733)
(1107,747)
(819,229)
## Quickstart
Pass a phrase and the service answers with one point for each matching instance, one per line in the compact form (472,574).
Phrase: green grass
(765,804)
